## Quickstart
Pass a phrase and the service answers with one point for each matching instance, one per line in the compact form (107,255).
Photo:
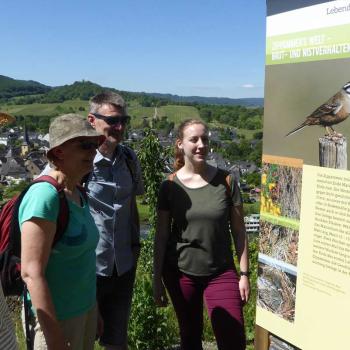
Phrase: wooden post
(332,152)
(261,341)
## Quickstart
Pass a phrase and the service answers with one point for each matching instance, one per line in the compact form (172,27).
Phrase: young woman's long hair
(179,157)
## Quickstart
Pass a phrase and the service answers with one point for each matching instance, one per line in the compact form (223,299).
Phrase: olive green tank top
(199,242)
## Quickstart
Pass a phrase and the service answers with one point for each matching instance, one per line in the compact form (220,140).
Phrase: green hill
(79,90)
(12,87)
(45,109)
(82,90)
(223,101)
(33,92)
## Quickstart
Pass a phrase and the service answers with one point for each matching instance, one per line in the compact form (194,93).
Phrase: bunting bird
(334,111)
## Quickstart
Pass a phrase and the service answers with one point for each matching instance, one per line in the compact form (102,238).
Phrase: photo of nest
(277,343)
(281,190)
(276,291)
(279,242)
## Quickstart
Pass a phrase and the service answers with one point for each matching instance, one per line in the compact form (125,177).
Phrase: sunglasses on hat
(110,120)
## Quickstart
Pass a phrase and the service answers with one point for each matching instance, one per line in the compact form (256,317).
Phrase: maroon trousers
(223,301)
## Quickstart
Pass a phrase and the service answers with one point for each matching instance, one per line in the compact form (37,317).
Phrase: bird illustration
(334,111)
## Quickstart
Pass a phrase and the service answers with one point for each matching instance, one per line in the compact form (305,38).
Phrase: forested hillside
(28,91)
(247,102)
(11,87)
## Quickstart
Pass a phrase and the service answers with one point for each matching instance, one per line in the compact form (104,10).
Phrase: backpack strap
(63,214)
(62,219)
(228,185)
(171,186)
(130,162)
(82,191)
(84,181)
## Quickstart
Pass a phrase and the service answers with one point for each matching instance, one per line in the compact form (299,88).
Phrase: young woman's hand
(244,288)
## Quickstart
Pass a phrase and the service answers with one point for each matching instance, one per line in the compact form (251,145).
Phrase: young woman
(61,280)
(193,257)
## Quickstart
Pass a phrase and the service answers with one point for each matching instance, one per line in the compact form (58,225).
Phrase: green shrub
(250,307)
(150,328)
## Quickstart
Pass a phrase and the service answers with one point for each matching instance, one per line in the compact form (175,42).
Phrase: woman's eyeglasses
(88,145)
(110,120)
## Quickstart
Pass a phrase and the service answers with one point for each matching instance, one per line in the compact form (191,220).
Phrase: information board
(304,255)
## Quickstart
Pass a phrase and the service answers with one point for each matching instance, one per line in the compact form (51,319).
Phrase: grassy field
(248,134)
(40,109)
(174,113)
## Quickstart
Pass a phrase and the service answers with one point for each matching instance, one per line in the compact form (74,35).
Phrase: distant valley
(10,88)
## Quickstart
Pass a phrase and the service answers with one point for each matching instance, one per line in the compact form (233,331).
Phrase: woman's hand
(159,294)
(244,288)
(60,344)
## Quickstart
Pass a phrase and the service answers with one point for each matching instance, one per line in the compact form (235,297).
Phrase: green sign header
(313,45)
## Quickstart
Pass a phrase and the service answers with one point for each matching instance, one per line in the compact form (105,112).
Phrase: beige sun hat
(70,126)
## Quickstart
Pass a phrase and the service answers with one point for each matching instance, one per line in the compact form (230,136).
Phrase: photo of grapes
(276,291)
(279,242)
(281,190)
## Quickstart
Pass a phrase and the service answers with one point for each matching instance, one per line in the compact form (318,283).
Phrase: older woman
(61,278)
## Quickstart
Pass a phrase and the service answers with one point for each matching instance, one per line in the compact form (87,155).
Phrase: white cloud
(248,86)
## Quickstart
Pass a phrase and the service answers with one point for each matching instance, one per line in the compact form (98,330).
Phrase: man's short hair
(110,98)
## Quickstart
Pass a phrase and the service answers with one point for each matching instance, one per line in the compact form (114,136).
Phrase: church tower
(25,144)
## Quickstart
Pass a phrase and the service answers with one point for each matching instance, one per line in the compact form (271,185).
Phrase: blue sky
(184,47)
